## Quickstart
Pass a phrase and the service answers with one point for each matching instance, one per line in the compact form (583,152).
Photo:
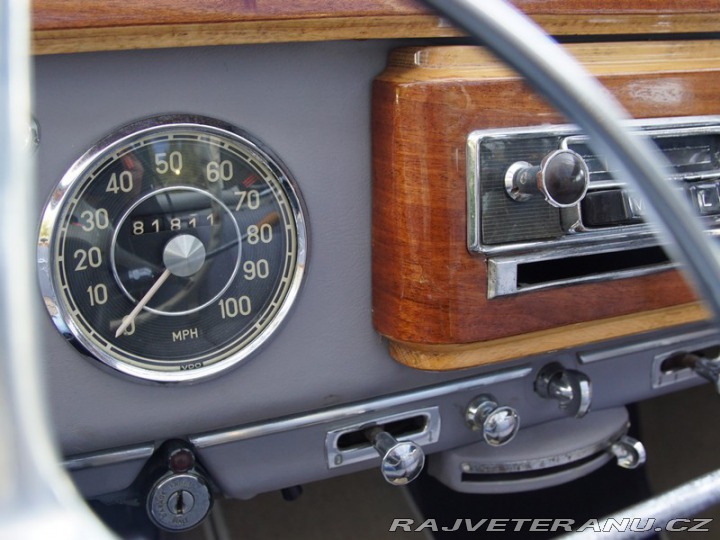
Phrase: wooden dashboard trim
(449,357)
(70,26)
(132,37)
(428,290)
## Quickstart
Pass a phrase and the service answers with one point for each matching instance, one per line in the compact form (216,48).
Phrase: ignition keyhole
(181,502)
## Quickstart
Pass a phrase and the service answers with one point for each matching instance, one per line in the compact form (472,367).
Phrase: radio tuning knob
(562,178)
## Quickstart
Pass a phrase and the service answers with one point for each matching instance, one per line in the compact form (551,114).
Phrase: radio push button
(609,208)
(706,198)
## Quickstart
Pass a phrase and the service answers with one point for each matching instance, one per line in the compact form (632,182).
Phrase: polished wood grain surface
(62,26)
(54,14)
(449,357)
(133,37)
(427,288)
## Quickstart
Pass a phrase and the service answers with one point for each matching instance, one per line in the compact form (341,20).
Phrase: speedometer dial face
(173,249)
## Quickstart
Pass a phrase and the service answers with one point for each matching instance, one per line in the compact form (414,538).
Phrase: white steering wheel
(37,500)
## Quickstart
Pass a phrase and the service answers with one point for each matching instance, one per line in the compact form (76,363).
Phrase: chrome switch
(498,425)
(630,453)
(707,368)
(572,389)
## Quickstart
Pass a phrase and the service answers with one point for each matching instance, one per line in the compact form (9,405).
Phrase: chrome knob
(562,178)
(630,453)
(401,462)
(572,389)
(707,368)
(498,425)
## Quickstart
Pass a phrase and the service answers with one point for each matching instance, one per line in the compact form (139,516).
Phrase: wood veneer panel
(448,357)
(55,14)
(62,26)
(427,288)
(74,40)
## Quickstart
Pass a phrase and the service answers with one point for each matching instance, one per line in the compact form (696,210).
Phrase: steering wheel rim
(503,29)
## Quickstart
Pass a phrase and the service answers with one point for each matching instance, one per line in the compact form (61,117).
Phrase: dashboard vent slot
(399,429)
(515,275)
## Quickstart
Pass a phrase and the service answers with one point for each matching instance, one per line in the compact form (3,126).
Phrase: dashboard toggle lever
(571,388)
(401,461)
(629,452)
(707,368)
(498,425)
(562,178)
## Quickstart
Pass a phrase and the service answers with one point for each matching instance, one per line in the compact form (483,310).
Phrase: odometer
(173,249)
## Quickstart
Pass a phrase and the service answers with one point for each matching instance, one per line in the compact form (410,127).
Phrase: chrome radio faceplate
(532,242)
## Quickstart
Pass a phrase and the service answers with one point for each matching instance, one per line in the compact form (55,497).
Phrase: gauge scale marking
(173,249)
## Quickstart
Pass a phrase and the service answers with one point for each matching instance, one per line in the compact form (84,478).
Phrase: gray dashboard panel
(310,103)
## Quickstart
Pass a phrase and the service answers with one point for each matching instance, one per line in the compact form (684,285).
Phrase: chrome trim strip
(112,457)
(644,237)
(337,457)
(607,184)
(348,412)
(503,281)
(646,346)
(659,127)
(474,205)
(502,278)
(502,271)
(260,429)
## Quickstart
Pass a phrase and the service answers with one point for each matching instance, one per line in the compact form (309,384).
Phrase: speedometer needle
(127,321)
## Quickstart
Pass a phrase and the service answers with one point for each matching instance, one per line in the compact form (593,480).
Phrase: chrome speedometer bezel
(89,161)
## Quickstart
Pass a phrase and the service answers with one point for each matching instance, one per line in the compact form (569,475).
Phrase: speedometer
(173,249)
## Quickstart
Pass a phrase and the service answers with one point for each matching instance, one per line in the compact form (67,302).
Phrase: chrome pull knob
(630,453)
(498,425)
(572,389)
(707,368)
(401,462)
(562,178)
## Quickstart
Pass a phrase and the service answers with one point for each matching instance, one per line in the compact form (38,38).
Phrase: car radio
(547,210)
